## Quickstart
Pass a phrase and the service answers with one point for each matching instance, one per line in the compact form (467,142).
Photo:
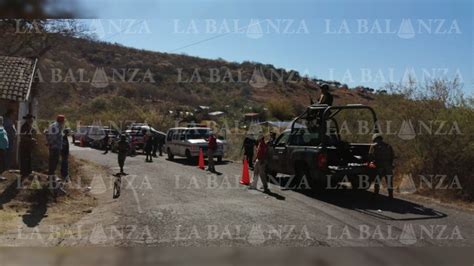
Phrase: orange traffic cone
(245,180)
(201,164)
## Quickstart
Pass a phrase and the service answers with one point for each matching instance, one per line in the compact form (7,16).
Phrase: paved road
(170,203)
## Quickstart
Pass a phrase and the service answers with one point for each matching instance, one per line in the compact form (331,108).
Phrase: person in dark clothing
(9,126)
(27,143)
(65,156)
(106,142)
(211,150)
(326,96)
(272,139)
(381,156)
(123,147)
(161,143)
(148,148)
(248,146)
(156,143)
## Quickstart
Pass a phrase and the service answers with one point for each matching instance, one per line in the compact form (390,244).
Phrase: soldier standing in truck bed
(326,96)
(381,154)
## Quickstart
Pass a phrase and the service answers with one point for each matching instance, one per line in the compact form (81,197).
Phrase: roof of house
(16,76)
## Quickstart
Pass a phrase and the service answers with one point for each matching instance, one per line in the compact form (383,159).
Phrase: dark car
(313,149)
(137,134)
(97,140)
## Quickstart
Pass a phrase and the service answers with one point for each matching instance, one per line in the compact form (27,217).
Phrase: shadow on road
(276,195)
(379,206)
(185,161)
(37,211)
(8,194)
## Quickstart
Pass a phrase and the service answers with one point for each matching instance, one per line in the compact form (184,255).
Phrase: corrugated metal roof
(16,75)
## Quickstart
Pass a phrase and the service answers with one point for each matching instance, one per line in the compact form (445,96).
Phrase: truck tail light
(322,161)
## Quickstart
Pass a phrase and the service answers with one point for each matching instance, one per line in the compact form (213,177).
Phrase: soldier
(211,149)
(27,142)
(381,154)
(248,147)
(326,96)
(106,140)
(156,143)
(123,147)
(148,147)
(161,142)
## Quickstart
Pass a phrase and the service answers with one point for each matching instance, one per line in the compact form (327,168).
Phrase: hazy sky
(369,42)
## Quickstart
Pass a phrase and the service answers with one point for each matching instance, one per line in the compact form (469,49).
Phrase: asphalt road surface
(171,203)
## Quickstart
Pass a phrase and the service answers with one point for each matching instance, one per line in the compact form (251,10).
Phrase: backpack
(3,139)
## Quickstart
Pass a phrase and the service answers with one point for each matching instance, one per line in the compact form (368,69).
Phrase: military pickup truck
(312,148)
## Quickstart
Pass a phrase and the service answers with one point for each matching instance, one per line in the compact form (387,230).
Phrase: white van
(186,142)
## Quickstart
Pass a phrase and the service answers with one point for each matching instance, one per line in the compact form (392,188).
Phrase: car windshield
(197,133)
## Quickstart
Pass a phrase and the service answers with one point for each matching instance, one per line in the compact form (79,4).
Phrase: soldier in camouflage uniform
(123,149)
(381,154)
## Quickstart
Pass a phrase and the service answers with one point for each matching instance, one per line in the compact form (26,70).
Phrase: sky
(368,43)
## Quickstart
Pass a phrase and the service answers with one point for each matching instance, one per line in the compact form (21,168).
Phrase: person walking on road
(54,137)
(381,155)
(156,141)
(211,150)
(260,165)
(65,156)
(148,147)
(248,146)
(123,147)
(3,149)
(27,143)
(10,128)
(106,143)
(161,143)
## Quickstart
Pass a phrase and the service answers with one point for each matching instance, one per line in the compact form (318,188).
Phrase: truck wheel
(170,155)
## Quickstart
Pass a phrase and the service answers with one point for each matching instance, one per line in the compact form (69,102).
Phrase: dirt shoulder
(32,217)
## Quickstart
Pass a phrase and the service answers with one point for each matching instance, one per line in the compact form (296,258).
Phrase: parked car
(80,134)
(97,136)
(313,149)
(187,141)
(137,133)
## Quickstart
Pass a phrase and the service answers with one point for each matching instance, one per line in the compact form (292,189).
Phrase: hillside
(91,81)
(72,75)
